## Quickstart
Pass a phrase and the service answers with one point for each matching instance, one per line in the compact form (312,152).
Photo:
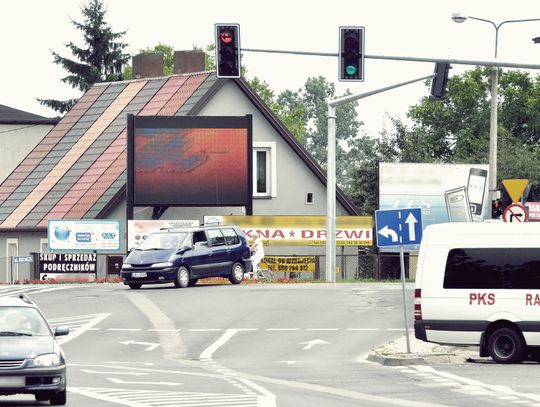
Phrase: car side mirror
(61,331)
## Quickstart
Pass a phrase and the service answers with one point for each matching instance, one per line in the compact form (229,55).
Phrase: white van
(479,284)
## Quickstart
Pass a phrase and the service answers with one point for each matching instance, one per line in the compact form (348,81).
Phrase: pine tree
(101,61)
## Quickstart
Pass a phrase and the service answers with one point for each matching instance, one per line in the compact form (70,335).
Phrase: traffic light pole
(331,173)
(402,58)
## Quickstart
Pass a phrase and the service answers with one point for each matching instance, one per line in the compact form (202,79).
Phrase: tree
(456,130)
(101,60)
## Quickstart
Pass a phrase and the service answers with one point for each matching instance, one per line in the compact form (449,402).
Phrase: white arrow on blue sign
(397,227)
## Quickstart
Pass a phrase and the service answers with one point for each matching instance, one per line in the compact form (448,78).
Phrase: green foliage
(456,130)
(101,60)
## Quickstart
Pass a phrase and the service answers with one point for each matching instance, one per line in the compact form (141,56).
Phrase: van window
(216,237)
(493,268)
(230,236)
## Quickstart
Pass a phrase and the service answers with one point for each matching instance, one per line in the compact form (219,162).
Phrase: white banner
(138,230)
(94,235)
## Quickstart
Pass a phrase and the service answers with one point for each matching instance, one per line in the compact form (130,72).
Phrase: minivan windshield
(163,241)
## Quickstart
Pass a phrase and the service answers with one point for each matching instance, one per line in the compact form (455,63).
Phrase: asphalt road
(254,345)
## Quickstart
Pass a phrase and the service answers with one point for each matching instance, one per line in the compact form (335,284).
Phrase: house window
(264,169)
(309,198)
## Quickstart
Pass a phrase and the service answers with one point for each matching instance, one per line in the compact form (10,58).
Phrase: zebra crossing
(155,398)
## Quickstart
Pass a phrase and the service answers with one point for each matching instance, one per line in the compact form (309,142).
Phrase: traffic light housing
(439,81)
(497,209)
(227,50)
(351,54)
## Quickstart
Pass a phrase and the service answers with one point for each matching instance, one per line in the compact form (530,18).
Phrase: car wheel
(42,397)
(506,346)
(135,286)
(237,273)
(59,399)
(182,277)
(193,281)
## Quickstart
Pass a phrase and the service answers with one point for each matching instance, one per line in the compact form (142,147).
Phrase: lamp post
(458,18)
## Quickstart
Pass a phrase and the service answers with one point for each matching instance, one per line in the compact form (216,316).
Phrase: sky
(31,29)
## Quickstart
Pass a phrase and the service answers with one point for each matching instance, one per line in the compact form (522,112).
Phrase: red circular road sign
(515,213)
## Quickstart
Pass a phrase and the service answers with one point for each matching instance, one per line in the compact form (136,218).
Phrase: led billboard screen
(190,161)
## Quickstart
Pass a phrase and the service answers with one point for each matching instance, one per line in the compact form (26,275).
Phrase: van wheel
(237,273)
(135,286)
(182,277)
(506,346)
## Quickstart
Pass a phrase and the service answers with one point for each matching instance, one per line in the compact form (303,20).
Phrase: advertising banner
(289,264)
(444,192)
(90,235)
(138,230)
(302,230)
(66,266)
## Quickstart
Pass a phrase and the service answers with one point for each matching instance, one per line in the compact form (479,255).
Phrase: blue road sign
(23,259)
(397,227)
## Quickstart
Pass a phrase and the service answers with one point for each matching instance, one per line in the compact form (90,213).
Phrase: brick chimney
(147,65)
(188,61)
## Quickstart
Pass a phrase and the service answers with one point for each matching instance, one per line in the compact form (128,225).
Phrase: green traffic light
(351,69)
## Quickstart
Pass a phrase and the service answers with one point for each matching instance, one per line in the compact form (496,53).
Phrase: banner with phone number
(289,264)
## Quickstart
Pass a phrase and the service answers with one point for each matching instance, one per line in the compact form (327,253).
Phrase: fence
(380,266)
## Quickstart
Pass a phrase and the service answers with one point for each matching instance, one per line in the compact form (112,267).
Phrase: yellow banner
(289,264)
(302,230)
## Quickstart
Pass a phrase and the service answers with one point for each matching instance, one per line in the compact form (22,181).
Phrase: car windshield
(22,321)
(163,241)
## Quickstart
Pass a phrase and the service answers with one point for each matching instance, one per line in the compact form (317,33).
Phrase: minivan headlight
(126,266)
(48,359)
(162,265)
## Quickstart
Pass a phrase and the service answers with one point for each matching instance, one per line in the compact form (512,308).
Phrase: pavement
(421,353)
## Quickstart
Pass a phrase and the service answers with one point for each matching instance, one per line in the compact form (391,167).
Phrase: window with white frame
(264,169)
(12,269)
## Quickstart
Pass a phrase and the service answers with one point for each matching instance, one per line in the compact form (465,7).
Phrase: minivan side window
(230,236)
(493,268)
(216,237)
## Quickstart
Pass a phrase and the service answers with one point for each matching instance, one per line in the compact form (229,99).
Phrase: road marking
(120,381)
(209,351)
(363,329)
(150,345)
(283,329)
(206,330)
(92,320)
(164,330)
(322,329)
(120,373)
(312,343)
(124,329)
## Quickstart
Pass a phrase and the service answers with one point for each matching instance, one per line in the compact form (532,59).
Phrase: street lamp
(459,18)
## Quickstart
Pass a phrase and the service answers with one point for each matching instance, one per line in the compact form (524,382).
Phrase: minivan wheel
(237,273)
(506,346)
(135,286)
(182,277)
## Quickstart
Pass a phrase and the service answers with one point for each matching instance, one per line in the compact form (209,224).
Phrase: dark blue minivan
(182,256)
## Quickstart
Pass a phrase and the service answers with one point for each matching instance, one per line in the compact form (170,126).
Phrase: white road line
(363,329)
(124,329)
(322,329)
(283,329)
(96,320)
(209,351)
(206,330)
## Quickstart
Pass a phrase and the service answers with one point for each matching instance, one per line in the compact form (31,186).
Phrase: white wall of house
(19,140)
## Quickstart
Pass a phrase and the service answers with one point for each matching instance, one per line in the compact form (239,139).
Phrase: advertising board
(67,266)
(84,235)
(302,230)
(189,161)
(444,192)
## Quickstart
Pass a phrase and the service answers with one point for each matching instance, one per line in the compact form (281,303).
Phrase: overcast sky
(30,29)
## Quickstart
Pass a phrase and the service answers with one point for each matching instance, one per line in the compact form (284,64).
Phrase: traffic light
(351,53)
(227,50)
(439,81)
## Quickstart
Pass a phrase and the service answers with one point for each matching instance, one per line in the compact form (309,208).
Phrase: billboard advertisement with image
(444,192)
(189,161)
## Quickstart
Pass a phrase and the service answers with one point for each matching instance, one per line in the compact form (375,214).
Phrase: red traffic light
(226,37)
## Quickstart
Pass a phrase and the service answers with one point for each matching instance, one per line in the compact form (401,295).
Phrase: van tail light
(417,304)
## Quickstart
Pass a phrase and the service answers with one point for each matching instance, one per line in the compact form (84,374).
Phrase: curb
(404,359)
